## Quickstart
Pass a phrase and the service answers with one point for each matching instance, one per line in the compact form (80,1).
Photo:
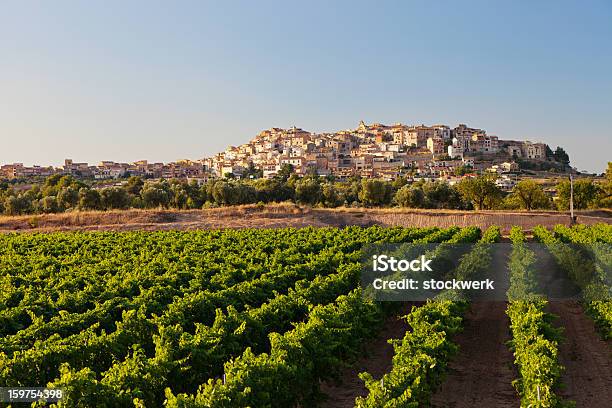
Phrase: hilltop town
(369,151)
(375,165)
(386,152)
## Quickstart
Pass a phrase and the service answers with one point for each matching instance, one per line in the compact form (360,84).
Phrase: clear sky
(130,80)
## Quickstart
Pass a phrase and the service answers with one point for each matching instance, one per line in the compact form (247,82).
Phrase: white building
(435,145)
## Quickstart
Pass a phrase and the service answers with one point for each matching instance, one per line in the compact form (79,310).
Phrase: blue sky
(133,80)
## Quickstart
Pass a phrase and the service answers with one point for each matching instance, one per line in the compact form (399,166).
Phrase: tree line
(60,193)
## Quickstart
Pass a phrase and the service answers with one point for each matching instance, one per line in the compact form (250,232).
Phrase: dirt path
(481,374)
(587,359)
(377,362)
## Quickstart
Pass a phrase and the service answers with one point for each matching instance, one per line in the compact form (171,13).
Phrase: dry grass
(140,217)
(286,215)
(79,218)
(426,211)
(272,208)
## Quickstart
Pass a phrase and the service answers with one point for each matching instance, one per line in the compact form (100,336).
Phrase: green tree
(292,181)
(246,193)
(178,195)
(308,191)
(585,194)
(52,180)
(375,192)
(410,196)
(268,190)
(206,191)
(194,196)
(50,187)
(481,191)
(67,197)
(399,182)
(528,195)
(134,185)
(114,198)
(352,190)
(331,197)
(233,193)
(17,205)
(605,195)
(441,195)
(224,193)
(285,171)
(89,199)
(156,195)
(49,204)
(561,156)
(33,194)
(69,181)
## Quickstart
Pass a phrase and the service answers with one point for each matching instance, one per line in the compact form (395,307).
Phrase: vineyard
(277,318)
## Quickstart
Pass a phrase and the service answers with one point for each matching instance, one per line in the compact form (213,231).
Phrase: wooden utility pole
(571,203)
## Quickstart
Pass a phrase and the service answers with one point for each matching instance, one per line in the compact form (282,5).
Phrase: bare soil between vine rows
(586,357)
(481,374)
(376,360)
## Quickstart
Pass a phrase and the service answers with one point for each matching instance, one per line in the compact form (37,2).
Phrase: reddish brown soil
(377,360)
(481,375)
(587,359)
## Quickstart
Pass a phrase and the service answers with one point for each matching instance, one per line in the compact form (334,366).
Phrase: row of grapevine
(584,234)
(182,359)
(588,266)
(196,358)
(421,357)
(98,349)
(220,389)
(289,375)
(186,317)
(42,276)
(175,307)
(534,339)
(594,243)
